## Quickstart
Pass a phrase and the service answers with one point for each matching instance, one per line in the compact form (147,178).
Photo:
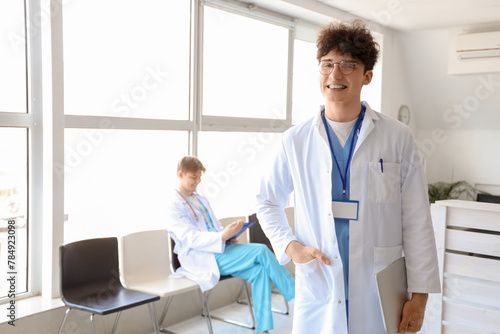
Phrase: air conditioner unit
(478,45)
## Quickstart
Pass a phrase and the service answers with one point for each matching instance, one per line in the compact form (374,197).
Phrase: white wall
(395,88)
(456,118)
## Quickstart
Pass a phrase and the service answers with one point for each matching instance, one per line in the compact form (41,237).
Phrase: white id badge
(345,209)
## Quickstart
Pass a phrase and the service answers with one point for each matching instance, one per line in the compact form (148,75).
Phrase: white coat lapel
(367,126)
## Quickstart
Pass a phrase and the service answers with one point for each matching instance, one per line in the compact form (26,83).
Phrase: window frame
(46,122)
(243,124)
(54,219)
(31,120)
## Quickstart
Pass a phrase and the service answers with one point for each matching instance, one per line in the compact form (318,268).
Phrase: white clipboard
(393,294)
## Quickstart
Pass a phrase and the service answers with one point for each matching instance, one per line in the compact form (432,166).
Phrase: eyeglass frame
(339,64)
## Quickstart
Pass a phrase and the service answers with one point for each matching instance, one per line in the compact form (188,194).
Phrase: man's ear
(368,77)
(179,174)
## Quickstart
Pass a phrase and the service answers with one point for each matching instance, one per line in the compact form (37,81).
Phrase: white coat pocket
(384,256)
(385,182)
(311,283)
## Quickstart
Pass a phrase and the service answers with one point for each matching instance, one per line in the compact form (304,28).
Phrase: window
(12,57)
(233,174)
(13,209)
(245,86)
(307,97)
(372,93)
(135,65)
(15,127)
(117,181)
(243,59)
(131,75)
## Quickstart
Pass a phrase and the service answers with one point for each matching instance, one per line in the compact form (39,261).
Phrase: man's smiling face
(338,87)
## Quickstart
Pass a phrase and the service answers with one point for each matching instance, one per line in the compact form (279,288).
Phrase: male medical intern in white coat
(394,216)
(194,244)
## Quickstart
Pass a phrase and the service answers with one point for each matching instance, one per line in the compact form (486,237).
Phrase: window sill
(33,305)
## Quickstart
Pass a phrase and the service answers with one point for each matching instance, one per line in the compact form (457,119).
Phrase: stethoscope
(192,209)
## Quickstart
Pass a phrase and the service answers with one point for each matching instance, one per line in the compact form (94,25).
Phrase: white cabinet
(468,245)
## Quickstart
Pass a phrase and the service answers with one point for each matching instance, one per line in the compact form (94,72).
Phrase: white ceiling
(396,14)
(423,14)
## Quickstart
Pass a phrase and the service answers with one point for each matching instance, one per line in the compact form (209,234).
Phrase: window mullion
(289,88)
(35,109)
(16,119)
(196,72)
(53,174)
(107,123)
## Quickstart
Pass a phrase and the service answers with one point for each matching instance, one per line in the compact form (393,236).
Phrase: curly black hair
(349,38)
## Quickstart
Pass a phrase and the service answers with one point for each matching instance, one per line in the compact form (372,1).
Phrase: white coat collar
(366,127)
(369,111)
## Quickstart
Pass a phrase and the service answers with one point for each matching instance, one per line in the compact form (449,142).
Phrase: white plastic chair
(145,266)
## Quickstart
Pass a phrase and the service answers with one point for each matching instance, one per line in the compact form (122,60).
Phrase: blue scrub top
(342,225)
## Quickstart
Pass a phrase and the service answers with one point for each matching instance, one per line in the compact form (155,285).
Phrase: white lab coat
(192,238)
(394,216)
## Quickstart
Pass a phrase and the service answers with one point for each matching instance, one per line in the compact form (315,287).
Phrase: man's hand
(232,229)
(304,254)
(413,313)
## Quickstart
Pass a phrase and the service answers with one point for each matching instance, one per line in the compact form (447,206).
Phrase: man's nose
(336,71)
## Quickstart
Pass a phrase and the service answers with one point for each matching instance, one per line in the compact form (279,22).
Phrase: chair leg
(165,309)
(206,311)
(287,308)
(235,322)
(163,315)
(64,320)
(273,309)
(247,294)
(92,323)
(116,322)
(152,311)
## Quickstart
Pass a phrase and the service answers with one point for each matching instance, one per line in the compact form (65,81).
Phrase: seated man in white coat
(200,242)
(360,199)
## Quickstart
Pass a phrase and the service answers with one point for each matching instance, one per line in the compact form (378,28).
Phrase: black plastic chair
(206,311)
(90,281)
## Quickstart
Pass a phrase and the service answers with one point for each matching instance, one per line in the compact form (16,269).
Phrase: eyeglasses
(345,66)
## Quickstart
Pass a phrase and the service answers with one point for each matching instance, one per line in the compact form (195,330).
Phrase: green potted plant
(443,190)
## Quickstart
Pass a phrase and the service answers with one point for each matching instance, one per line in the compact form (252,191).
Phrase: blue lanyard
(356,128)
(206,212)
(210,223)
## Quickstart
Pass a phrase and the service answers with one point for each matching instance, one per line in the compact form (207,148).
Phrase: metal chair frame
(206,295)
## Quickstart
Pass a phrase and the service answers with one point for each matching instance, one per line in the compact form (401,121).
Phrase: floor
(239,312)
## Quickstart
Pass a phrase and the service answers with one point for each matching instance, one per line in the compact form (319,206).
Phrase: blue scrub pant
(257,264)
